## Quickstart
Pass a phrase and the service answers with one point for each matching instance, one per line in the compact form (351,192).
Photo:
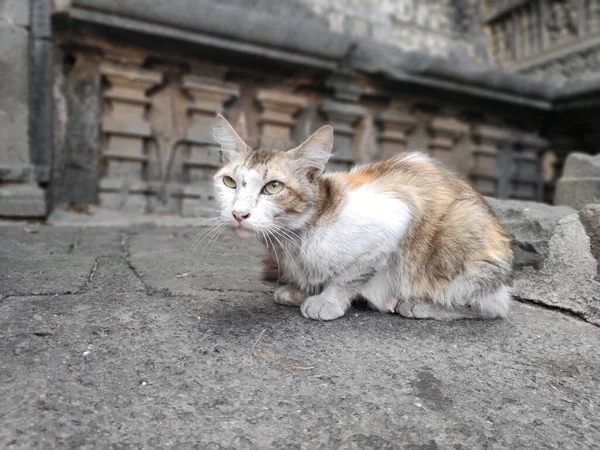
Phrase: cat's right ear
(224,135)
(312,155)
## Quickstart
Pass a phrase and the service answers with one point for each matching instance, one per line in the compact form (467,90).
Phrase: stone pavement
(103,346)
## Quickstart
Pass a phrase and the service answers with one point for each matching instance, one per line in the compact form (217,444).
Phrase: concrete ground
(102,345)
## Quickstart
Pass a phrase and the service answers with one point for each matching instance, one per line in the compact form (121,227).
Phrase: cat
(406,234)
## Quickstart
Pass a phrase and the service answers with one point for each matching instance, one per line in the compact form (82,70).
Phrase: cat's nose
(239,216)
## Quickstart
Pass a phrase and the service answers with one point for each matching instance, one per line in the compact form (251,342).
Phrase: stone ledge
(223,23)
(22,200)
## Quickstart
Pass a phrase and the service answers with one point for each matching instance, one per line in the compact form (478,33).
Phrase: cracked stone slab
(229,263)
(52,260)
(131,370)
(567,278)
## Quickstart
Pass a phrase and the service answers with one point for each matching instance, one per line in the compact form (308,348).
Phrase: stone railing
(144,111)
(157,152)
(544,36)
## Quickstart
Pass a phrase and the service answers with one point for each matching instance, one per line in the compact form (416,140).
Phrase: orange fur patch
(356,180)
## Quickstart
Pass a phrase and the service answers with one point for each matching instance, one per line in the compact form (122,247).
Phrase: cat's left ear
(311,156)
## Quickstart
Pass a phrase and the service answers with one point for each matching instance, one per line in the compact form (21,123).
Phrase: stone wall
(544,37)
(135,87)
(443,27)
(148,117)
(20,194)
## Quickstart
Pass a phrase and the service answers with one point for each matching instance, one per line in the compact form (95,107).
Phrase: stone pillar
(485,172)
(580,182)
(277,118)
(202,157)
(445,132)
(343,118)
(20,195)
(527,182)
(395,122)
(126,131)
(81,147)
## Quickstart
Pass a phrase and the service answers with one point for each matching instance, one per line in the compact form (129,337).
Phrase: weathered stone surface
(14,107)
(121,364)
(131,370)
(567,278)
(14,12)
(590,217)
(555,258)
(22,200)
(580,183)
(160,255)
(52,260)
(79,155)
(531,226)
(264,34)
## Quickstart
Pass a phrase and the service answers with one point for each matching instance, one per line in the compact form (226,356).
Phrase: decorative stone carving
(277,118)
(126,131)
(562,20)
(343,118)
(445,132)
(395,122)
(485,172)
(202,156)
(527,182)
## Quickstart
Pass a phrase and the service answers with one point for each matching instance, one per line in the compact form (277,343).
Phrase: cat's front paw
(319,307)
(289,296)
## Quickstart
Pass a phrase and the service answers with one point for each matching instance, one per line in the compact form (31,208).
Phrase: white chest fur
(368,228)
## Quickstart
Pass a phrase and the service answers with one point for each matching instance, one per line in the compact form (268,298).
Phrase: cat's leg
(415,309)
(472,305)
(378,292)
(290,296)
(330,304)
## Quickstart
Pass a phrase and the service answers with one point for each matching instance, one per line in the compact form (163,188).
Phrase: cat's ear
(312,155)
(224,135)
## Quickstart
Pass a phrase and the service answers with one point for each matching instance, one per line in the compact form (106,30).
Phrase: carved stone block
(277,118)
(125,128)
(202,157)
(485,173)
(445,132)
(343,118)
(395,122)
(527,182)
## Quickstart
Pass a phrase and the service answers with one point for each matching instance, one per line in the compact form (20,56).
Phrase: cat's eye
(273,187)
(229,182)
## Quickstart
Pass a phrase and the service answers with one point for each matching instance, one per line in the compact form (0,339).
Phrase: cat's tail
(485,287)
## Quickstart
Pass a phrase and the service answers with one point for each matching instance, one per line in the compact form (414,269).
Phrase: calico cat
(406,234)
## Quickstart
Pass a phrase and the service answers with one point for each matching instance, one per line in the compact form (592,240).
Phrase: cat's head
(267,190)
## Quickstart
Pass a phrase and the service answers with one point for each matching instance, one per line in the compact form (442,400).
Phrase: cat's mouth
(243,231)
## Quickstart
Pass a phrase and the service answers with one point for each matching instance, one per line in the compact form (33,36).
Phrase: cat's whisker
(285,250)
(213,240)
(276,257)
(287,238)
(202,236)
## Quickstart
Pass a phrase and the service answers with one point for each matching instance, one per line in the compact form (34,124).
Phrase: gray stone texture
(556,256)
(580,182)
(22,200)
(14,12)
(215,18)
(122,363)
(19,195)
(79,156)
(14,98)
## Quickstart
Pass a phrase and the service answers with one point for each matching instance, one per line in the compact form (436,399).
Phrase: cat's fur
(406,234)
